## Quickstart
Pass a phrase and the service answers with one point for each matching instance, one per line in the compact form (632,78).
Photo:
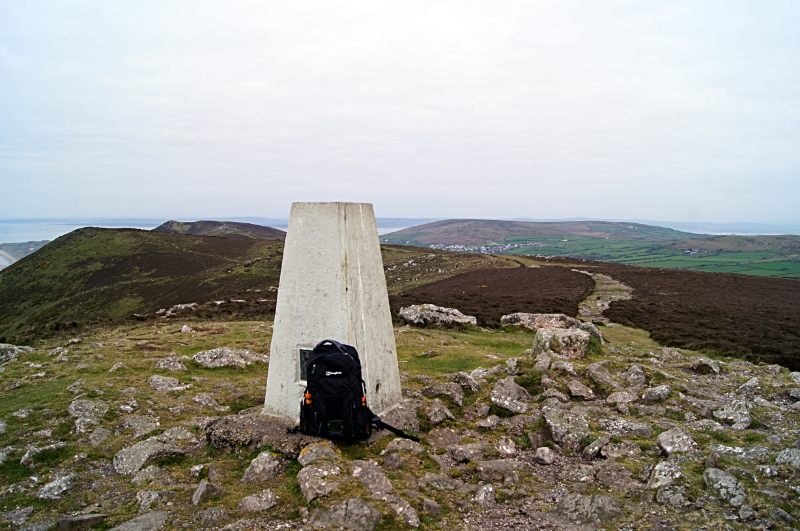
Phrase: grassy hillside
(482,232)
(225,229)
(112,273)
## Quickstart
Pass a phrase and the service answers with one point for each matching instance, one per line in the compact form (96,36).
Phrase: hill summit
(224,229)
(481,231)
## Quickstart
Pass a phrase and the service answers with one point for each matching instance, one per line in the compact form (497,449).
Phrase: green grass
(112,273)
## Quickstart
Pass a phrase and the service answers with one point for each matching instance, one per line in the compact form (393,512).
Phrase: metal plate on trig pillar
(305,353)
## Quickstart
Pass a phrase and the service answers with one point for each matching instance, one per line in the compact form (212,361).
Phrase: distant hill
(605,241)
(11,252)
(112,273)
(741,243)
(478,232)
(224,229)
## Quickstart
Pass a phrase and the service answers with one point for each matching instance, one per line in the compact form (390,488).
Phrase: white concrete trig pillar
(332,286)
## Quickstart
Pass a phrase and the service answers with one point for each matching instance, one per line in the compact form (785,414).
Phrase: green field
(772,261)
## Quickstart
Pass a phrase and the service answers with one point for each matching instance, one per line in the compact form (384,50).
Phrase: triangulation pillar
(332,287)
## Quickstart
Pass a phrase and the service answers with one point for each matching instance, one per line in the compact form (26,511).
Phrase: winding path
(606,290)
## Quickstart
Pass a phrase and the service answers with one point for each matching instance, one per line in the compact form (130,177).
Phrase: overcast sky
(685,111)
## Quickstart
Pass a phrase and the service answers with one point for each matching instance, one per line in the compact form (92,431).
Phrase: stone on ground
(567,427)
(264,467)
(170,363)
(570,343)
(354,514)
(167,383)
(56,489)
(373,478)
(432,315)
(228,357)
(258,502)
(509,395)
(676,440)
(725,485)
(129,460)
(437,412)
(315,480)
(587,510)
(205,491)
(146,522)
(451,390)
(535,321)
(316,451)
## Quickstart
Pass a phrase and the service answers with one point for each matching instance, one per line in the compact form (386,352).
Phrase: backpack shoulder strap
(381,425)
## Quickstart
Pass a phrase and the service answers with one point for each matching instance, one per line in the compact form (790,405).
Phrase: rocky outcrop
(206,491)
(87,412)
(167,384)
(256,503)
(264,467)
(316,479)
(570,343)
(587,510)
(254,430)
(509,395)
(451,390)
(146,522)
(170,363)
(11,352)
(725,485)
(567,427)
(354,514)
(129,460)
(431,315)
(536,321)
(228,357)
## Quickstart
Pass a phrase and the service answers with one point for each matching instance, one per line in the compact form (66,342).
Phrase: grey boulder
(264,467)
(146,522)
(129,460)
(657,394)
(316,451)
(55,489)
(570,343)
(228,357)
(315,480)
(677,440)
(354,514)
(167,383)
(705,366)
(452,390)
(258,502)
(567,427)
(205,491)
(508,395)
(431,315)
(595,509)
(373,478)
(725,485)
(437,412)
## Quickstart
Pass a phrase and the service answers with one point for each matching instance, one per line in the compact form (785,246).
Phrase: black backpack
(334,404)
